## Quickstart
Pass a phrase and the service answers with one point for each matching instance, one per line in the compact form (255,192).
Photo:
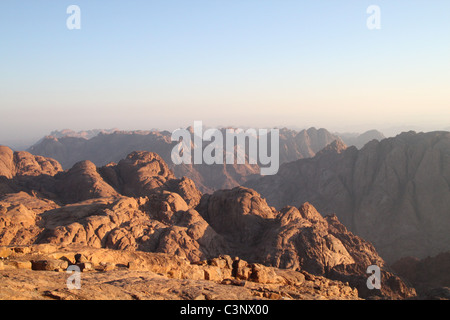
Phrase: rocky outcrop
(19,214)
(27,164)
(239,213)
(22,171)
(23,164)
(394,193)
(186,188)
(141,172)
(83,182)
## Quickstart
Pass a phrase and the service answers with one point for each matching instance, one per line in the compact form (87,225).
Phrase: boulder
(263,274)
(49,265)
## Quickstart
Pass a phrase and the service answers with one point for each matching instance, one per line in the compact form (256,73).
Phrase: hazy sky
(146,64)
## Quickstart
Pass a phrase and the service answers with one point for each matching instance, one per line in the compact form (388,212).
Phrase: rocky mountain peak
(337,146)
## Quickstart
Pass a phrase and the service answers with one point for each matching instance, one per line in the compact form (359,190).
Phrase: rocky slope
(394,193)
(138,205)
(111,146)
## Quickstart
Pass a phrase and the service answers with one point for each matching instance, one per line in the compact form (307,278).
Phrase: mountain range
(394,192)
(106,146)
(331,213)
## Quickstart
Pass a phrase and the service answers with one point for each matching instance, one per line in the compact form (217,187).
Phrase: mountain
(138,205)
(69,148)
(394,193)
(85,134)
(359,140)
(296,145)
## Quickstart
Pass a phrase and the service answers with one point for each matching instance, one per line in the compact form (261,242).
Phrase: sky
(251,63)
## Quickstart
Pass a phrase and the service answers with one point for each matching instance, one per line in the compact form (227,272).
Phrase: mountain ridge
(109,147)
(404,180)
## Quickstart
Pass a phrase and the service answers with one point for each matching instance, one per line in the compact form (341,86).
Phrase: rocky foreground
(37,272)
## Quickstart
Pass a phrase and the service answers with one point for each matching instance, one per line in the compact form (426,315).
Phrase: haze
(146,64)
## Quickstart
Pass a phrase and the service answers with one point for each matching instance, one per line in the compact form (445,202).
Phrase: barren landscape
(135,225)
(261,152)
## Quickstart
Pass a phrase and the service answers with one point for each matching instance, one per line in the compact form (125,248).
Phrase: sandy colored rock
(49,265)
(213,273)
(7,166)
(263,274)
(5,252)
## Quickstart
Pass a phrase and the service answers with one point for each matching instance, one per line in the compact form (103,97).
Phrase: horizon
(24,145)
(150,64)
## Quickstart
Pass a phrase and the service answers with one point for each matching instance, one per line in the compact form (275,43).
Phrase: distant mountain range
(86,134)
(105,146)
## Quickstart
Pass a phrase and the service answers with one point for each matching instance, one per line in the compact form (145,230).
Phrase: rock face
(394,193)
(69,148)
(138,205)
